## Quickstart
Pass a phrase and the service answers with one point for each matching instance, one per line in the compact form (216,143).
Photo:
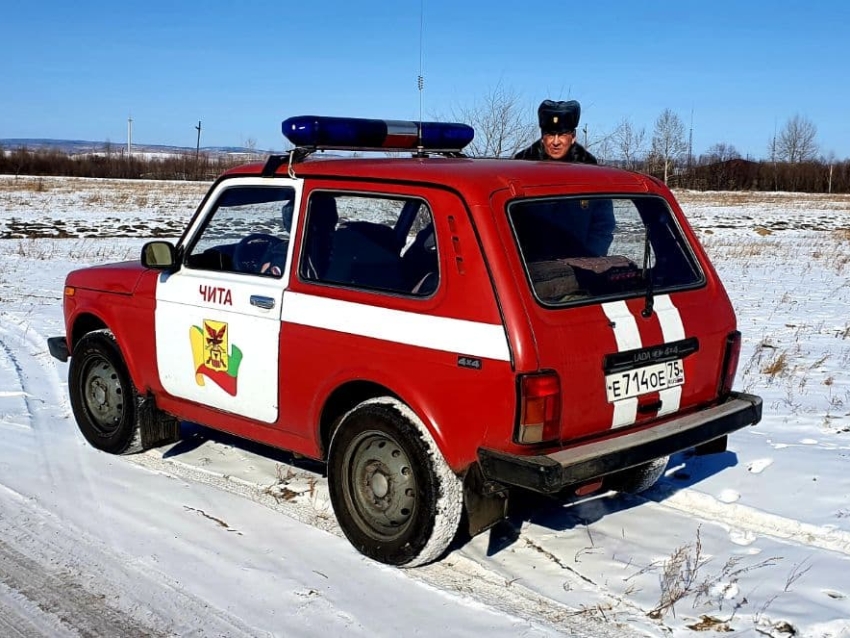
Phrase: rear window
(580,249)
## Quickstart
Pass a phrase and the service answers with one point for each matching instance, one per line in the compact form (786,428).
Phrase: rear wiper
(647,276)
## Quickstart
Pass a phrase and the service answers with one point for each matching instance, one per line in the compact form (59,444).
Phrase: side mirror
(161,255)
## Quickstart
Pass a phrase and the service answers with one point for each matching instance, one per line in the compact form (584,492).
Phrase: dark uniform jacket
(577,153)
(591,223)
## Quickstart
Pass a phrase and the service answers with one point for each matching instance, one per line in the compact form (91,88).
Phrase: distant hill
(83,147)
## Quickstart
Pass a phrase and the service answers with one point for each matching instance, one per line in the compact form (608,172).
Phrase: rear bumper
(58,347)
(550,473)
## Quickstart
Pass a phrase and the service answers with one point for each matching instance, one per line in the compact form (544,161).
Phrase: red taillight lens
(539,408)
(730,363)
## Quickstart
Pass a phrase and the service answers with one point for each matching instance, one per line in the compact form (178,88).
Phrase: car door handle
(266,303)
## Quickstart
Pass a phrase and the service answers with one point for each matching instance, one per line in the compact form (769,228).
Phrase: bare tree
(773,152)
(668,140)
(829,160)
(603,148)
(796,142)
(502,124)
(600,143)
(721,152)
(630,142)
(250,145)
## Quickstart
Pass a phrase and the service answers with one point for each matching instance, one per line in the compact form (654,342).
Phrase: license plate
(632,383)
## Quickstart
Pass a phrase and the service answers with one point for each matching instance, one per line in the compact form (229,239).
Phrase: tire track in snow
(89,588)
(22,618)
(746,519)
(455,573)
(32,375)
(61,600)
(12,381)
(49,564)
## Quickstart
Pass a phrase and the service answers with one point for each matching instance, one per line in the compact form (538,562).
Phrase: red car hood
(121,278)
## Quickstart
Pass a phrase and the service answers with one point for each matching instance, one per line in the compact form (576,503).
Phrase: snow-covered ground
(217,537)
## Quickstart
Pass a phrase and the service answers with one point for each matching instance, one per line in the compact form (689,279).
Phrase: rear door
(622,308)
(218,316)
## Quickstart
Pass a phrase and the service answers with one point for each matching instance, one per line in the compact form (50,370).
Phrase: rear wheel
(103,397)
(639,478)
(395,497)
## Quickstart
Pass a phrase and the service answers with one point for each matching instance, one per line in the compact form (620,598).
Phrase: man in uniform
(558,123)
(590,223)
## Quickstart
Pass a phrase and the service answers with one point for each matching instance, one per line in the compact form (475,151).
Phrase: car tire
(103,397)
(639,478)
(394,495)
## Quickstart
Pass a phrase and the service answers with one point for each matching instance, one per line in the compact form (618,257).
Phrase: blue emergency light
(351,133)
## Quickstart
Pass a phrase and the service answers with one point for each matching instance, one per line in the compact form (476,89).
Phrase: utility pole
(198,150)
(691,142)
(773,158)
(129,137)
(585,134)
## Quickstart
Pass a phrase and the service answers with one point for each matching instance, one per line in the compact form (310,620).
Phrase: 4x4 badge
(214,357)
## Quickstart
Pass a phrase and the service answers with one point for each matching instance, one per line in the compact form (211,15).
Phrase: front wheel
(103,397)
(394,495)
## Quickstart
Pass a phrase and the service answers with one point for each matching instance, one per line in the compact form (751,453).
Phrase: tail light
(730,363)
(539,408)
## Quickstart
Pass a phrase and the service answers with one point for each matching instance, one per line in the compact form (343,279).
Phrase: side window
(370,242)
(247,232)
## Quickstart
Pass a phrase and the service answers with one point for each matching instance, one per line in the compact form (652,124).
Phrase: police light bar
(351,133)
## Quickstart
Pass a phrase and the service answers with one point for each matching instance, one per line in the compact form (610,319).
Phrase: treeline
(741,174)
(705,173)
(188,166)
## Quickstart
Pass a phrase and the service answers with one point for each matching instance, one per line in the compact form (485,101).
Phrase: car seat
(322,218)
(420,260)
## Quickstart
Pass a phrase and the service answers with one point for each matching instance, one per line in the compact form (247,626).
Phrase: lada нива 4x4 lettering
(441,331)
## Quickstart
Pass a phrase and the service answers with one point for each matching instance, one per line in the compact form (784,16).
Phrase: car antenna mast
(420,79)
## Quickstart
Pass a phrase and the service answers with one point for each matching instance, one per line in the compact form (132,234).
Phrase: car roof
(476,178)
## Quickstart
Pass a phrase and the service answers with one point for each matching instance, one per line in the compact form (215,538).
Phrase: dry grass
(836,201)
(119,194)
(830,248)
(684,575)
(777,366)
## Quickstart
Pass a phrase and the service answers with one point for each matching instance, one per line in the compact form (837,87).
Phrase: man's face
(556,145)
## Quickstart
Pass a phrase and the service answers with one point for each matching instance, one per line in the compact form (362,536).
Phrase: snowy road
(217,537)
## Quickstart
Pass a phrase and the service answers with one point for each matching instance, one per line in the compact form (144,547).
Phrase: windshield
(577,249)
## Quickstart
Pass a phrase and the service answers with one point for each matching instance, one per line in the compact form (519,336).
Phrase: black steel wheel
(103,397)
(395,497)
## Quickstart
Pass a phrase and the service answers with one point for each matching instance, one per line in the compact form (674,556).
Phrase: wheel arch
(352,393)
(82,325)
(340,402)
(87,322)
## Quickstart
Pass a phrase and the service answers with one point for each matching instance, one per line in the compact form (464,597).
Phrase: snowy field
(218,537)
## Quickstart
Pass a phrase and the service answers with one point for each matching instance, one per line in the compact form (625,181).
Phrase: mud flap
(155,426)
(712,447)
(486,502)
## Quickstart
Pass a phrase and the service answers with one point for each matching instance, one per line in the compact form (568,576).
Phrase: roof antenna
(420,78)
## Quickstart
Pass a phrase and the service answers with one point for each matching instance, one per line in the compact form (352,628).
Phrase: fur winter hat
(558,117)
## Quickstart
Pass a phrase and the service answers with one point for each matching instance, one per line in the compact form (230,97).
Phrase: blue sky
(77,70)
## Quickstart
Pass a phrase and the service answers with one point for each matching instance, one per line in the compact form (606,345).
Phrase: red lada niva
(440,331)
